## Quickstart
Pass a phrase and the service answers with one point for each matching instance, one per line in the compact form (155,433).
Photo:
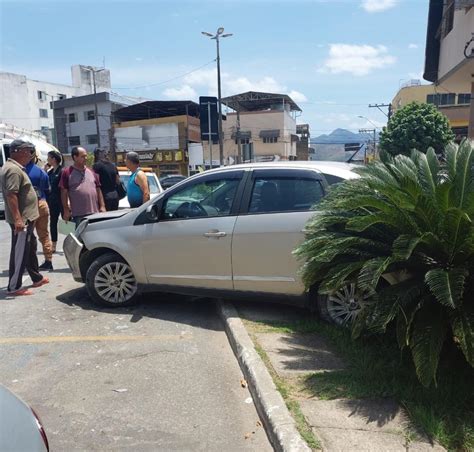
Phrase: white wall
(20,105)
(82,128)
(150,137)
(452,46)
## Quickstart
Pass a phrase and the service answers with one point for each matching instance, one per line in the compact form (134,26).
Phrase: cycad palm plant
(411,217)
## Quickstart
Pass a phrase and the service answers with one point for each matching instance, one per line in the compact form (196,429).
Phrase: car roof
(339,169)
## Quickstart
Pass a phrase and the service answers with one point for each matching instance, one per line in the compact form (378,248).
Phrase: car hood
(107,215)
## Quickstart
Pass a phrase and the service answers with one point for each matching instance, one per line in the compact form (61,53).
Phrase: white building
(27,103)
(449,61)
(75,120)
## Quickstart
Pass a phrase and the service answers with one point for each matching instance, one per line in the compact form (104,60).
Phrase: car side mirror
(152,212)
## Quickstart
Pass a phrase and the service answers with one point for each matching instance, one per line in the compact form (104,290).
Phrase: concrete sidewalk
(340,424)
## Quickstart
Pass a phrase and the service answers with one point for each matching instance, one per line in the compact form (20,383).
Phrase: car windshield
(152,184)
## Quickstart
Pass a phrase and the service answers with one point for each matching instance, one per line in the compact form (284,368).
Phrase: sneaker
(20,292)
(42,282)
(46,265)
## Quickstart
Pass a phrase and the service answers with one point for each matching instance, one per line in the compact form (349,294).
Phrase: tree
(416,126)
(410,218)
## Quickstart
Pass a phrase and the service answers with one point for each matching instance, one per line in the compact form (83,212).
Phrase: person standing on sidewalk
(55,161)
(21,212)
(40,182)
(80,189)
(109,179)
(138,192)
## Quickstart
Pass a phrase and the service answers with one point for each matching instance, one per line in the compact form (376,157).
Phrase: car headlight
(81,228)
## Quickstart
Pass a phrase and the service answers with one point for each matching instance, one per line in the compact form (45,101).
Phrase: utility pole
(380,106)
(367,131)
(96,110)
(239,141)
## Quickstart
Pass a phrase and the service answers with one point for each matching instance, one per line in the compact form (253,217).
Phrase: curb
(279,425)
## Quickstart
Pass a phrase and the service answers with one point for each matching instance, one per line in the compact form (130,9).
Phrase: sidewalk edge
(280,426)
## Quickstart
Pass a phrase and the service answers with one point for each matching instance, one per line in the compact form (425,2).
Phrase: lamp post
(219,34)
(96,111)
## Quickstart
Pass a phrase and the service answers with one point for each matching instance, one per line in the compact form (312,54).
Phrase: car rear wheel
(341,307)
(110,281)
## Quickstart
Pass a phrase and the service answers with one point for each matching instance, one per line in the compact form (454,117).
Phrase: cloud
(412,46)
(297,96)
(357,60)
(376,6)
(186,92)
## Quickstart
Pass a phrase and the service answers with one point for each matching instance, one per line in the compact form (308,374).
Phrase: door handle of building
(215,234)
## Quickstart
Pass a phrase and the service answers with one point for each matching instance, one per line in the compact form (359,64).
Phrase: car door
(190,244)
(275,208)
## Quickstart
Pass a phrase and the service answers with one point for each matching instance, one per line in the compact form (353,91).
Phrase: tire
(111,282)
(341,307)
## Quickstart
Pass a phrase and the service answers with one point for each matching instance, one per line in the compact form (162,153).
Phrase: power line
(169,80)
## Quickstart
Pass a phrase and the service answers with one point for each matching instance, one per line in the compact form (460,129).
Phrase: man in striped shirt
(21,212)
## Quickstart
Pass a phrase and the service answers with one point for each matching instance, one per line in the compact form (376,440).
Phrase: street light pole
(219,34)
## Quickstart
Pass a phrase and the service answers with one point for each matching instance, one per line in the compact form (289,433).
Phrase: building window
(243,141)
(441,99)
(43,113)
(74,141)
(270,139)
(464,99)
(91,139)
(61,96)
(41,95)
(89,115)
(448,17)
(72,117)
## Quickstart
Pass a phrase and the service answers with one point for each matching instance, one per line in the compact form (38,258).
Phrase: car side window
(284,194)
(213,198)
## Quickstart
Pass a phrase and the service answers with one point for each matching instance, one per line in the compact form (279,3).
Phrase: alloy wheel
(115,282)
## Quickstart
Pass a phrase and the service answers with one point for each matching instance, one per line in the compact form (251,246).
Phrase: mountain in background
(342,136)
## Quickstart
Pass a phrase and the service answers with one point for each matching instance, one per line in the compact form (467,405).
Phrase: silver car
(227,232)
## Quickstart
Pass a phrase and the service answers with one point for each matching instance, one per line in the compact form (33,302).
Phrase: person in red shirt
(80,189)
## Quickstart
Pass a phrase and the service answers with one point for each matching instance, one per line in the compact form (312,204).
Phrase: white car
(153,184)
(226,232)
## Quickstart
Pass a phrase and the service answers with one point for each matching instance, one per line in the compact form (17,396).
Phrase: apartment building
(455,105)
(262,127)
(75,121)
(28,103)
(449,61)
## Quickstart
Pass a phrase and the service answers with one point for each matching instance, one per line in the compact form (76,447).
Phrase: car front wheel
(110,281)
(341,307)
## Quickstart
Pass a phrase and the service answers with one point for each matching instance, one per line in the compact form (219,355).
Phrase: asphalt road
(159,376)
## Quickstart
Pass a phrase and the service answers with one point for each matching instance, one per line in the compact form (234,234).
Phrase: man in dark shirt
(109,179)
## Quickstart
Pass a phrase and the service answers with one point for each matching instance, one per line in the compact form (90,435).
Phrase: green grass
(377,368)
(293,406)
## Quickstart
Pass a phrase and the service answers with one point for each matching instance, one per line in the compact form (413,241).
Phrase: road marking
(51,339)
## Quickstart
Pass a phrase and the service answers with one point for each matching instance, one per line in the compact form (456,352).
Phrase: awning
(243,134)
(272,133)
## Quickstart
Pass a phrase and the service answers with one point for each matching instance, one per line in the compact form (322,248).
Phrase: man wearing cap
(21,212)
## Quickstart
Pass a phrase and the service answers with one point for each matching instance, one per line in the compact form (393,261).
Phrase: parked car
(20,428)
(169,181)
(153,184)
(225,232)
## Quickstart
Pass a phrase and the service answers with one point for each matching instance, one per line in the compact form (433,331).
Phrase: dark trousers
(54,214)
(111,201)
(23,255)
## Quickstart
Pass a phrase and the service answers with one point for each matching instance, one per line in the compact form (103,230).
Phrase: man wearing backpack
(80,189)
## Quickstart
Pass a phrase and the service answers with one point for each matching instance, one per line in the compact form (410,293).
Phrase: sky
(333,57)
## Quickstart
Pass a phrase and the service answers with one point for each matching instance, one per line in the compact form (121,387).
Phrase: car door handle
(216,234)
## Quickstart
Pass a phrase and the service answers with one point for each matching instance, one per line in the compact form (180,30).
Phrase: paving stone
(299,354)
